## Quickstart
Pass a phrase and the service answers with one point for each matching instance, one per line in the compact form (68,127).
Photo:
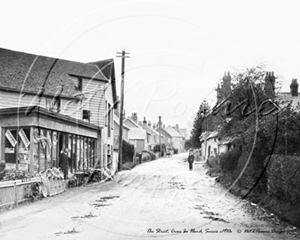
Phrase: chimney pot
(294,88)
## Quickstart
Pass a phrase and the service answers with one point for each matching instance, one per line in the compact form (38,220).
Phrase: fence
(14,192)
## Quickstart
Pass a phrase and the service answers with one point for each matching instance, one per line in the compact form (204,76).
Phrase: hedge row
(284,178)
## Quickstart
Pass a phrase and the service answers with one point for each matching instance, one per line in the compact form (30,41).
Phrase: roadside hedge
(284,178)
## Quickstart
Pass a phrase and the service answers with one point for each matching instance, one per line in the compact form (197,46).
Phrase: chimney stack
(294,88)
(177,127)
(149,124)
(144,123)
(270,84)
(134,117)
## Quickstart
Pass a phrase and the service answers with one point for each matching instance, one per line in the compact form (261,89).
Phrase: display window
(44,146)
(54,149)
(23,154)
(10,146)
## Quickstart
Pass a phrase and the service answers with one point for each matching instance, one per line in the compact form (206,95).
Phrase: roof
(204,136)
(133,122)
(173,132)
(183,132)
(39,112)
(28,72)
(107,67)
(137,134)
(117,121)
(212,135)
(227,140)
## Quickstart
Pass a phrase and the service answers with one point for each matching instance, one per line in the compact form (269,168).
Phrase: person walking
(191,159)
(63,162)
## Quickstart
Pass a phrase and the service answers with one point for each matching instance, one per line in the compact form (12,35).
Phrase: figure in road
(63,162)
(191,159)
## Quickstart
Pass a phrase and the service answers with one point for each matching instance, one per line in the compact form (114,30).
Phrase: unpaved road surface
(161,199)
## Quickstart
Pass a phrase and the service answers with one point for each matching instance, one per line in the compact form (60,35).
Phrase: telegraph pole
(159,127)
(123,56)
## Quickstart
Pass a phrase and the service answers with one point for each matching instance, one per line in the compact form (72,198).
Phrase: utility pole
(123,56)
(159,127)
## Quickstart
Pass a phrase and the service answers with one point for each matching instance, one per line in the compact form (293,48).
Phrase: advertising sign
(11,138)
(24,138)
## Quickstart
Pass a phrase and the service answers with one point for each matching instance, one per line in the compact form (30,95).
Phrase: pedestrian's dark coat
(191,160)
(63,163)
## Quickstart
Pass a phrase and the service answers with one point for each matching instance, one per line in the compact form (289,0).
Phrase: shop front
(35,141)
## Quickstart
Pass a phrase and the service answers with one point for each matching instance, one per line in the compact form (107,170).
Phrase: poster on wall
(10,138)
(24,138)
(9,166)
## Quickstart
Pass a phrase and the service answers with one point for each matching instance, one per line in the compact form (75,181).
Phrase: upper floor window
(86,115)
(77,82)
(53,104)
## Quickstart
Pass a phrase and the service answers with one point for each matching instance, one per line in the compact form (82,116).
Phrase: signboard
(10,166)
(10,138)
(24,138)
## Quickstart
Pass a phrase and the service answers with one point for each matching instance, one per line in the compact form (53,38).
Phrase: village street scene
(149,120)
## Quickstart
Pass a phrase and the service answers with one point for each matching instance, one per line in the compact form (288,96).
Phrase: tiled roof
(137,133)
(173,132)
(107,67)
(213,134)
(28,72)
(117,120)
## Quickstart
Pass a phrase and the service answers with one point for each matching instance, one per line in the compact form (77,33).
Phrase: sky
(179,49)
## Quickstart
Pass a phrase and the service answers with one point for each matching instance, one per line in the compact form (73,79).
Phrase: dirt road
(161,199)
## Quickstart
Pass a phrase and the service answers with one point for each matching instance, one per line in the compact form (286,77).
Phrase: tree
(198,125)
(188,144)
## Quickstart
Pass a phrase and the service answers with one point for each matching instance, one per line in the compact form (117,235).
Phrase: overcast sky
(179,50)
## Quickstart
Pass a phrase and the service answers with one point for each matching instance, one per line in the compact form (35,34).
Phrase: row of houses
(212,145)
(144,135)
(48,104)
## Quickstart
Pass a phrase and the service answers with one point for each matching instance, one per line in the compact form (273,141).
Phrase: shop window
(54,150)
(92,154)
(23,149)
(49,149)
(35,150)
(86,115)
(42,150)
(10,146)
(81,153)
(78,154)
(74,153)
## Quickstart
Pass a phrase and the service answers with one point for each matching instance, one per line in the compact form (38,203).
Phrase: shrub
(152,154)
(213,161)
(284,178)
(159,148)
(175,150)
(127,152)
(229,160)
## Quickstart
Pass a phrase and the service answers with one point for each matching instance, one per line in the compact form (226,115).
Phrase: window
(10,146)
(86,115)
(77,83)
(53,104)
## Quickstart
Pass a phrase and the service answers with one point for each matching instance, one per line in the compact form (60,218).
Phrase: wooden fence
(14,192)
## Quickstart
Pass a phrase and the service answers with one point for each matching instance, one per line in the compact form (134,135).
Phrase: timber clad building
(48,104)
